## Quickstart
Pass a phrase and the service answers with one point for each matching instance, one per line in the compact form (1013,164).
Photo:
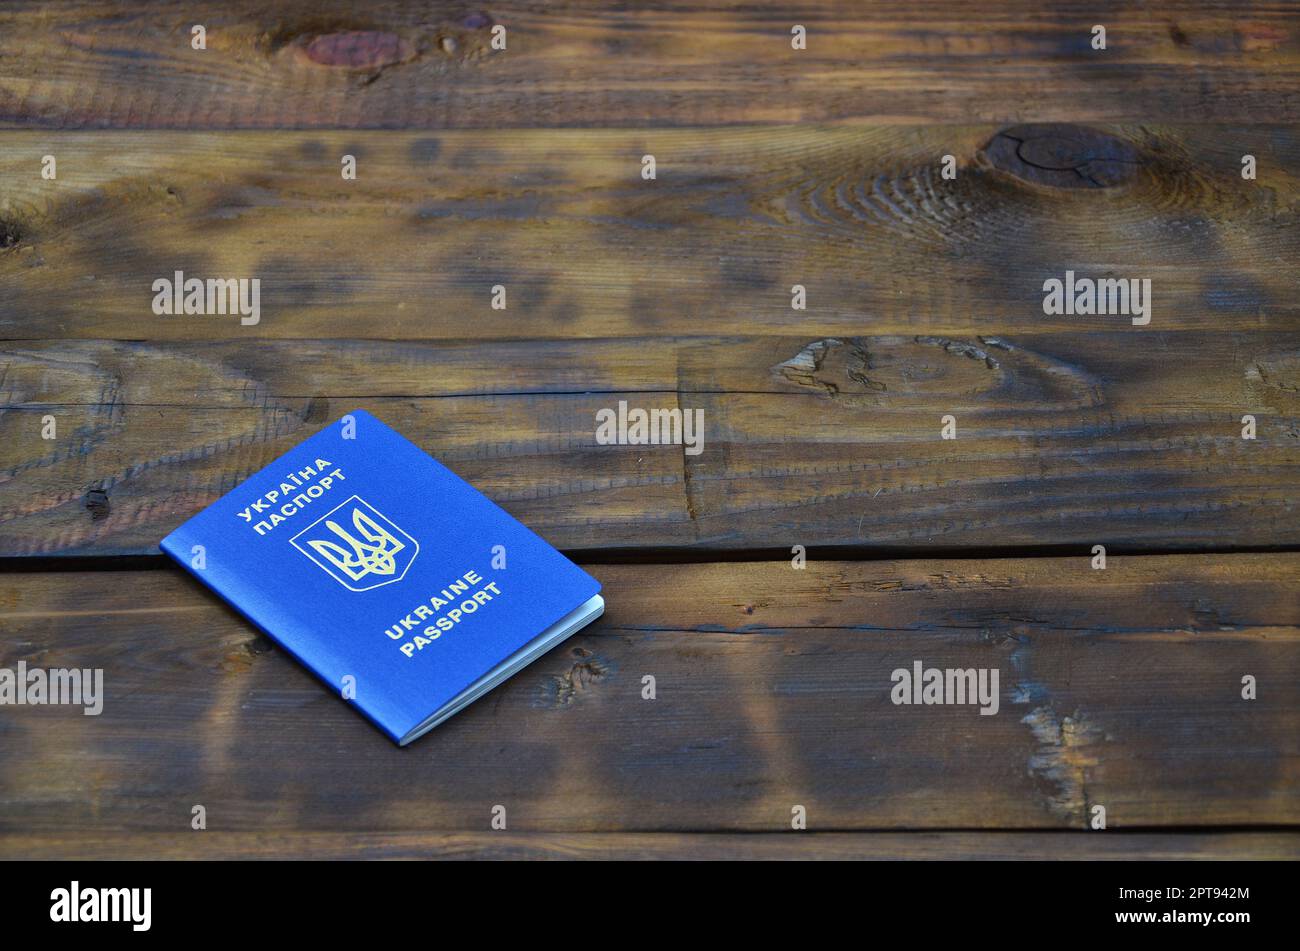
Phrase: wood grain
(331,63)
(1062,439)
(858,215)
(641,846)
(774,168)
(1118,687)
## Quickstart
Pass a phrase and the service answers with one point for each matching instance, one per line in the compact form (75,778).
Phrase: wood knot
(96,502)
(358,49)
(259,645)
(563,689)
(11,233)
(1063,156)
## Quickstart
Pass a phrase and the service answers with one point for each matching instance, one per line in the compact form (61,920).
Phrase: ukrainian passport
(400,585)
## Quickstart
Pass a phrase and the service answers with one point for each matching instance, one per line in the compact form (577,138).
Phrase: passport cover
(365,558)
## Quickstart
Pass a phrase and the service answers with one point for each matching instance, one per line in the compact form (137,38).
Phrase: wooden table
(523,167)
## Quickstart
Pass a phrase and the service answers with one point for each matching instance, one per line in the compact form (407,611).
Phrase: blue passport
(396,582)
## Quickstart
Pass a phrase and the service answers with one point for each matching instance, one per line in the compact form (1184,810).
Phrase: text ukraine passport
(399,584)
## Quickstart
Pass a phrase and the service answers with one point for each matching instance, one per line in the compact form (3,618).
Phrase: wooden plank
(1119,687)
(860,216)
(634,846)
(1062,439)
(314,63)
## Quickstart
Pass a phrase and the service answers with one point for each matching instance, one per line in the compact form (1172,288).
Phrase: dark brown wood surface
(734,846)
(477,167)
(1121,688)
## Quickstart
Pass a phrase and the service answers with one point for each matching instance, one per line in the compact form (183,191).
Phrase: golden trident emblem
(374,556)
